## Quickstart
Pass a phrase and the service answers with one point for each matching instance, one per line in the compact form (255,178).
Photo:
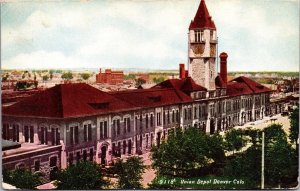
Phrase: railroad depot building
(71,122)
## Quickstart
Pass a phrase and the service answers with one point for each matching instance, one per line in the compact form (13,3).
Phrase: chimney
(181,71)
(223,66)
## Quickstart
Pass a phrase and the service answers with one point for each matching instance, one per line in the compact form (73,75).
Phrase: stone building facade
(78,122)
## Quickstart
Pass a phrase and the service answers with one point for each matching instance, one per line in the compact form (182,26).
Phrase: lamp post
(263,161)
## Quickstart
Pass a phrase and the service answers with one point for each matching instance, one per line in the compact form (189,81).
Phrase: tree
(234,140)
(130,173)
(185,153)
(294,129)
(67,76)
(85,175)
(51,74)
(22,178)
(85,76)
(246,164)
(158,80)
(280,161)
(45,77)
(139,82)
(129,77)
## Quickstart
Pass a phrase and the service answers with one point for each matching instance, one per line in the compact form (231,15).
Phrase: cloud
(41,60)
(148,33)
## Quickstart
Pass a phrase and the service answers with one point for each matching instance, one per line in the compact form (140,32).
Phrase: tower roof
(202,18)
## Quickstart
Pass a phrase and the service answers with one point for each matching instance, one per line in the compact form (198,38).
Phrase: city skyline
(146,34)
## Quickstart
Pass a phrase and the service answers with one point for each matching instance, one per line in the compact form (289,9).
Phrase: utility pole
(263,161)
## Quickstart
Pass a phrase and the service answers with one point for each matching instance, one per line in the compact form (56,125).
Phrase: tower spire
(202,18)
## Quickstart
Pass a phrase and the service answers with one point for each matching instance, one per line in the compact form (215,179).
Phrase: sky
(258,35)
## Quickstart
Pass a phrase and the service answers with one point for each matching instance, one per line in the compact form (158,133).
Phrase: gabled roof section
(190,85)
(254,86)
(243,86)
(219,82)
(152,97)
(186,85)
(67,100)
(202,18)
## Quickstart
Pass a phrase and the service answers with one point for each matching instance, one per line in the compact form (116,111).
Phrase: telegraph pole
(263,161)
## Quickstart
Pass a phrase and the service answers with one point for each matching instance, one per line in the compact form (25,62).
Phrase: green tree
(85,76)
(184,153)
(234,140)
(294,129)
(51,74)
(130,173)
(246,164)
(67,76)
(139,82)
(158,79)
(129,77)
(85,175)
(45,77)
(22,178)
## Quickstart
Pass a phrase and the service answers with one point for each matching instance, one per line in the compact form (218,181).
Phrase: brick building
(78,122)
(110,77)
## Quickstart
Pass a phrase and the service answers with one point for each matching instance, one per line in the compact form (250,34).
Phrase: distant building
(110,77)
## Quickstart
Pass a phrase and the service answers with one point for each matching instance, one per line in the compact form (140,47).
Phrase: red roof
(202,18)
(190,85)
(242,85)
(186,85)
(67,100)
(219,82)
(152,97)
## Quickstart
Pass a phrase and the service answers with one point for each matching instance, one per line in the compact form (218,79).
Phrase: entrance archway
(103,155)
(212,126)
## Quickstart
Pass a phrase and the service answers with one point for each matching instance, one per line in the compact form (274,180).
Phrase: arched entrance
(53,167)
(103,155)
(212,126)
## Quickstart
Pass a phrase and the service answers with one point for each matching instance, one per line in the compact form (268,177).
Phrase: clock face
(198,49)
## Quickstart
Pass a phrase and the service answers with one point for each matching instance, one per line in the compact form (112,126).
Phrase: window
(55,136)
(36,165)
(127,124)
(105,129)
(71,158)
(84,155)
(101,130)
(124,147)
(15,132)
(151,120)
(168,117)
(74,138)
(147,120)
(136,121)
(158,122)
(113,149)
(5,131)
(147,141)
(141,122)
(118,127)
(43,135)
(195,112)
(185,114)
(91,154)
(177,116)
(28,134)
(173,116)
(78,156)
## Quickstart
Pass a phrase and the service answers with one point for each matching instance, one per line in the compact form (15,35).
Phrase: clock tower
(202,38)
